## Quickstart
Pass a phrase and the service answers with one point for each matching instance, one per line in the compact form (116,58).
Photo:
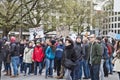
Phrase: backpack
(109,47)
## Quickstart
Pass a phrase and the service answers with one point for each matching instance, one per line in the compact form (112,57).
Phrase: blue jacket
(59,51)
(49,53)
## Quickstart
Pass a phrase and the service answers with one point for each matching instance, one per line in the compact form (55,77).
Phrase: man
(104,57)
(14,51)
(1,56)
(77,73)
(58,57)
(85,61)
(94,57)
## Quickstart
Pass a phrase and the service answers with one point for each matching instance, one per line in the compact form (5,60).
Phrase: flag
(116,5)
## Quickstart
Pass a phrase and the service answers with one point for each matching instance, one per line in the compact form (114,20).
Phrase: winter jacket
(96,53)
(14,49)
(38,54)
(69,53)
(22,47)
(49,53)
(27,57)
(78,50)
(59,51)
(85,50)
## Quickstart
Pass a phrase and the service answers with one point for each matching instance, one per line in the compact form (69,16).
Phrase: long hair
(53,47)
(118,45)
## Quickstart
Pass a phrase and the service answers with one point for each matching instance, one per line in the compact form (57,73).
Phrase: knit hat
(38,41)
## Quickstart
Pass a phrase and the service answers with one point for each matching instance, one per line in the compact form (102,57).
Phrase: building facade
(111,22)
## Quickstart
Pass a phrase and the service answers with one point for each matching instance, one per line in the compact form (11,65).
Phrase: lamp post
(20,30)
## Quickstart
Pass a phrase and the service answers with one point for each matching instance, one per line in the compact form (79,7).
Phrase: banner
(116,5)
(36,32)
(117,37)
(112,35)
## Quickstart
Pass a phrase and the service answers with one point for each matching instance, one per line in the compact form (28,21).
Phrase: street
(42,77)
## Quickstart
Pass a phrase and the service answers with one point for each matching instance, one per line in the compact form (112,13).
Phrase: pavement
(114,76)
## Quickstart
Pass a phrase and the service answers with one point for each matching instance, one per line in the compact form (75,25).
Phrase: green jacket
(96,53)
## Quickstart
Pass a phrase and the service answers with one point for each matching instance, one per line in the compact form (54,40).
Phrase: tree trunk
(5,32)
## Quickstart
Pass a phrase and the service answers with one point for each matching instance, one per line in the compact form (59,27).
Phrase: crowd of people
(89,56)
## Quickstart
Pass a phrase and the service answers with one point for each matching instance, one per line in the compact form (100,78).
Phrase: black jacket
(21,50)
(14,49)
(78,50)
(69,53)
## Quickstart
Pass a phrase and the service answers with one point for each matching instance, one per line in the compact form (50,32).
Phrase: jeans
(21,64)
(49,67)
(94,71)
(109,65)
(86,69)
(101,70)
(35,67)
(75,73)
(29,66)
(58,66)
(68,74)
(80,69)
(15,64)
(8,67)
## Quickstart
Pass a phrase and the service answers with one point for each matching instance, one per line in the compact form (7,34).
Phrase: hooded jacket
(50,54)
(78,50)
(59,51)
(38,54)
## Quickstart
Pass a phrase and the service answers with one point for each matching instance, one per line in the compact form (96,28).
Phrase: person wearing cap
(38,56)
(94,57)
(50,56)
(14,51)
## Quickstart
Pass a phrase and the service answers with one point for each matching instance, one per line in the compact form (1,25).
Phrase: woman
(69,58)
(27,58)
(117,61)
(38,56)
(50,56)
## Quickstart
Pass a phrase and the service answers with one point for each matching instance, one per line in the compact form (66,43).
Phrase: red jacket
(38,54)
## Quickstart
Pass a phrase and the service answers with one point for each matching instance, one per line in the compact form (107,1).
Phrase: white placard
(38,30)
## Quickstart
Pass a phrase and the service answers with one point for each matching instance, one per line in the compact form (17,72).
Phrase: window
(112,25)
(115,13)
(118,18)
(115,18)
(109,25)
(118,31)
(118,25)
(115,25)
(109,19)
(112,19)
